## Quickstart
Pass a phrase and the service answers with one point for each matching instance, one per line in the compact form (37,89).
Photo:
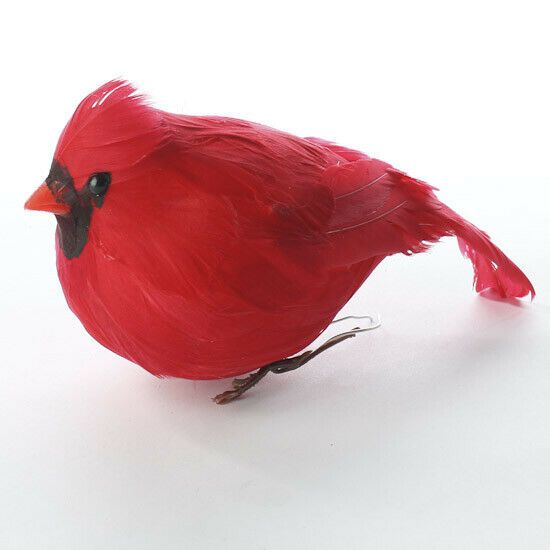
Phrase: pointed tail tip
(497,294)
(495,275)
(512,284)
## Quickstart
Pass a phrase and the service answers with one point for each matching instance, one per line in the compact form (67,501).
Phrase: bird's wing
(272,179)
(378,211)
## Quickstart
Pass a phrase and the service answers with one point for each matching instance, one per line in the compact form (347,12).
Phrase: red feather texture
(224,245)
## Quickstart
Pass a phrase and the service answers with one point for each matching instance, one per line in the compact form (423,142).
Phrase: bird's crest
(112,128)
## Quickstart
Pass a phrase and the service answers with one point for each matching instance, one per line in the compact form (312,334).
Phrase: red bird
(207,247)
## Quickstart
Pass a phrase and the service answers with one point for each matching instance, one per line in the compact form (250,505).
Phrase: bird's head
(111,132)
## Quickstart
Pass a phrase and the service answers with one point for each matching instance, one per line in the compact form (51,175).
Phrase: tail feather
(493,270)
(389,212)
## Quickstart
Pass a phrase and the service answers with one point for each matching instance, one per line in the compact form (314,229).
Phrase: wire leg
(242,385)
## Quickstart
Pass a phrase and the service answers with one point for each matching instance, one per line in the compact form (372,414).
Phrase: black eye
(99,183)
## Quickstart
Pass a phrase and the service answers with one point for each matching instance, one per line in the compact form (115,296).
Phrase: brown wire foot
(242,385)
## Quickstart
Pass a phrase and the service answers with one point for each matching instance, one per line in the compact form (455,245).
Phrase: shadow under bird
(207,247)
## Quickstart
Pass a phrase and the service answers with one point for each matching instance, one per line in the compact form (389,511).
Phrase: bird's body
(223,245)
(230,269)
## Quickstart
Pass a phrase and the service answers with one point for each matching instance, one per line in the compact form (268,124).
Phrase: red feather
(224,245)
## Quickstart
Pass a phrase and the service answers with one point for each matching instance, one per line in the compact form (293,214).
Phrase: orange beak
(43,199)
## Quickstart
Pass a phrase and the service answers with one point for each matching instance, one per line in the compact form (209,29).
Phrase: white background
(431,432)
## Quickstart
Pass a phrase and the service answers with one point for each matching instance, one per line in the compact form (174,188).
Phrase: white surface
(431,432)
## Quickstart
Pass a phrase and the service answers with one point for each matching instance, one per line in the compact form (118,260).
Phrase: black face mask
(73,227)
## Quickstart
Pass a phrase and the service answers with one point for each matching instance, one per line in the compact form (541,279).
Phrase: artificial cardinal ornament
(208,247)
